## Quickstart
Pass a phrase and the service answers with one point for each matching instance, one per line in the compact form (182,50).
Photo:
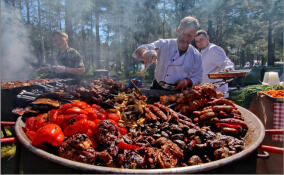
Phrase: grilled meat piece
(194,160)
(79,148)
(158,158)
(144,141)
(108,134)
(130,159)
(221,153)
(104,159)
(169,147)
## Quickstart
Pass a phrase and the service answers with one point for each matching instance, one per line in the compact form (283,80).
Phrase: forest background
(106,32)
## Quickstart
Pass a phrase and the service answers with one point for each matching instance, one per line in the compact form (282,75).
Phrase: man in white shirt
(214,59)
(179,63)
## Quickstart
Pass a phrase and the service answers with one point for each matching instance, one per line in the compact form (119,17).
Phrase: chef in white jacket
(214,59)
(179,63)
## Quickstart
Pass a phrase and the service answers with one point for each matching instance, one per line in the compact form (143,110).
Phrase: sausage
(221,101)
(149,115)
(223,108)
(234,121)
(223,114)
(232,131)
(199,113)
(158,112)
(207,115)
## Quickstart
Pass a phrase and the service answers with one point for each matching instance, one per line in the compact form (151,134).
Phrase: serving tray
(230,74)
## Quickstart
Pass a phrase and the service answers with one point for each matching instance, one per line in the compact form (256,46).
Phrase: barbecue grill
(19,96)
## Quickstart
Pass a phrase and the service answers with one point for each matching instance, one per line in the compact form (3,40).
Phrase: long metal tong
(143,71)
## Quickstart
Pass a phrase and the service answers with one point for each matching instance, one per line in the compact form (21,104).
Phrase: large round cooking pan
(253,139)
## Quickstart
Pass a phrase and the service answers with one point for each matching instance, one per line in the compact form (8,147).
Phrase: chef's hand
(182,84)
(227,70)
(59,69)
(149,57)
(43,69)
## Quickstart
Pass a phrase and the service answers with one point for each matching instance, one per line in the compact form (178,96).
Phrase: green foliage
(107,32)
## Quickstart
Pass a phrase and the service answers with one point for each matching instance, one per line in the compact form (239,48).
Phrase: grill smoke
(16,50)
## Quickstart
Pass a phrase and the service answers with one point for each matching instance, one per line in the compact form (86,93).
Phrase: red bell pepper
(193,143)
(64,107)
(122,131)
(80,104)
(31,134)
(78,126)
(50,133)
(228,125)
(34,123)
(92,115)
(101,113)
(185,139)
(113,116)
(123,145)
(75,110)
(59,119)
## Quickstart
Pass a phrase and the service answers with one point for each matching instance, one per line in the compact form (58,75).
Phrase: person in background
(214,59)
(179,64)
(69,61)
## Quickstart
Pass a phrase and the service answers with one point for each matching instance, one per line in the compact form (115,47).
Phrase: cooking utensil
(167,85)
(145,70)
(222,82)
(253,139)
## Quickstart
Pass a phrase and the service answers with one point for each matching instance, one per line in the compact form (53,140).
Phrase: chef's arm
(75,71)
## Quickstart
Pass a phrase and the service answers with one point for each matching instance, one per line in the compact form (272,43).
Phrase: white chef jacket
(172,67)
(214,59)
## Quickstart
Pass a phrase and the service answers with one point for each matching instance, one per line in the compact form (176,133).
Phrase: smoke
(16,49)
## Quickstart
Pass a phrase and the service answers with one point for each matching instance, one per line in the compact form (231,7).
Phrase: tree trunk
(42,60)
(219,30)
(108,47)
(68,23)
(270,60)
(91,35)
(98,42)
(164,18)
(28,11)
(210,31)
